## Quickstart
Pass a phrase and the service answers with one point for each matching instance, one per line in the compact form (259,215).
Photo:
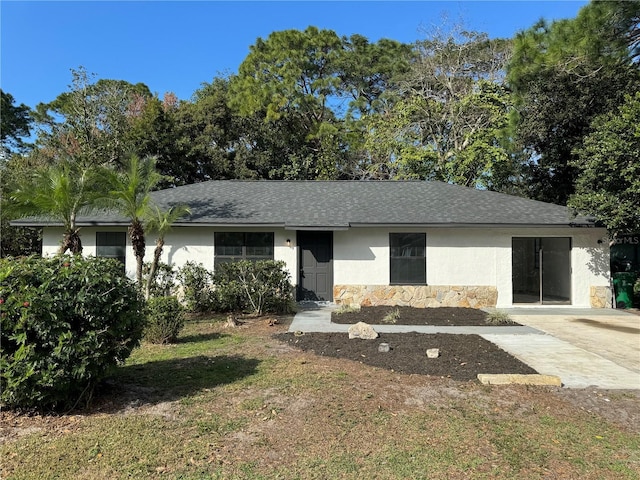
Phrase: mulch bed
(462,357)
(442,316)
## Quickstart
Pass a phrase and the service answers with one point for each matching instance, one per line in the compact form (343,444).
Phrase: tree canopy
(564,75)
(608,165)
(15,123)
(540,115)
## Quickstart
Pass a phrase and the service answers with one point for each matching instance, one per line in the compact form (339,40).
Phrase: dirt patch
(462,357)
(442,316)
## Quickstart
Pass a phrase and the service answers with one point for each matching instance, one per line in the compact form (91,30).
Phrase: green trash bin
(623,287)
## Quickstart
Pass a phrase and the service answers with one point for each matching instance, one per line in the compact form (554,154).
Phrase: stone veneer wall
(420,296)
(600,297)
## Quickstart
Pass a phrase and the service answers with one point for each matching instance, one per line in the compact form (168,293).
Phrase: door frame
(539,260)
(301,244)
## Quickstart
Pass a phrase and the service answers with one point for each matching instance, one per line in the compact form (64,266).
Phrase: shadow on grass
(169,380)
(201,337)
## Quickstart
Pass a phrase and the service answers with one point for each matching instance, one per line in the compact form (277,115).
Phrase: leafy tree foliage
(368,72)
(15,123)
(608,165)
(152,133)
(16,241)
(293,76)
(90,122)
(165,320)
(448,123)
(59,193)
(309,88)
(206,133)
(195,281)
(160,222)
(66,321)
(563,76)
(256,287)
(129,193)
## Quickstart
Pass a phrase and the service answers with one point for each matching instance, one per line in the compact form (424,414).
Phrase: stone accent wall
(600,297)
(420,296)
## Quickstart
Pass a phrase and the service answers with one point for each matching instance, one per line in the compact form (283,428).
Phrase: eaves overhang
(471,225)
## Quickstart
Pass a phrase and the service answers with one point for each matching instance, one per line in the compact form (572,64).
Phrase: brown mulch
(462,357)
(442,316)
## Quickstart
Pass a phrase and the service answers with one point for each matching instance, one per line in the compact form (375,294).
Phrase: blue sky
(177,46)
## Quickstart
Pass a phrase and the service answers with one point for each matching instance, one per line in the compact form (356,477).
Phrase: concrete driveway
(584,347)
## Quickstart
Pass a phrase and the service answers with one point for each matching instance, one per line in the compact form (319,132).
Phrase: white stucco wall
(455,256)
(589,260)
(184,244)
(470,257)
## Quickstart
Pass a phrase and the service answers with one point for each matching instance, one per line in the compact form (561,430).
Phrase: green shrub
(257,287)
(196,287)
(165,320)
(165,281)
(65,322)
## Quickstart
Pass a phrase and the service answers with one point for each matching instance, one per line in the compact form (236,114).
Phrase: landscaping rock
(433,353)
(362,330)
(383,347)
(519,379)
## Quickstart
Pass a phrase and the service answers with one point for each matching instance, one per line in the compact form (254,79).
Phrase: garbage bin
(623,287)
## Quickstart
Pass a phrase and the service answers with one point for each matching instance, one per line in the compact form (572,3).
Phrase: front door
(315,279)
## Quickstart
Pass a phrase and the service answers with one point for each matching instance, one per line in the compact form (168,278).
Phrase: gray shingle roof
(340,204)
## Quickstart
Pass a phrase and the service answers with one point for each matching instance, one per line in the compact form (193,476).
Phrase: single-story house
(378,243)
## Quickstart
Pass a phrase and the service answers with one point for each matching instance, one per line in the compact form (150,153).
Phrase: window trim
(418,258)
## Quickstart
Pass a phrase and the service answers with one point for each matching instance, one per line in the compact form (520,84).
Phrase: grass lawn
(237,403)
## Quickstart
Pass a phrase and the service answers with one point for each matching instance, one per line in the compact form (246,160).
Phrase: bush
(165,320)
(65,322)
(258,287)
(196,282)
(165,280)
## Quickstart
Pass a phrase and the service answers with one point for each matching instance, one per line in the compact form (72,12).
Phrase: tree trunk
(136,233)
(153,270)
(71,241)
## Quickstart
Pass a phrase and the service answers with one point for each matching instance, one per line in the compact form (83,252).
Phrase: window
(111,245)
(408,258)
(234,246)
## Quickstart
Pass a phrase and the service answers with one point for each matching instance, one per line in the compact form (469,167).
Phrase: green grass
(226,404)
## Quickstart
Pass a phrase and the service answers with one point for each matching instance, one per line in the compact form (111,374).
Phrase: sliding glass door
(541,270)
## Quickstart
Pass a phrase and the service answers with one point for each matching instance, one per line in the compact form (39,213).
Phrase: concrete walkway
(584,347)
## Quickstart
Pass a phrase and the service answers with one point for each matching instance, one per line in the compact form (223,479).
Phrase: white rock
(433,353)
(362,330)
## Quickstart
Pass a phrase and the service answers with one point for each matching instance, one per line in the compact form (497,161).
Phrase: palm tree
(129,194)
(161,221)
(60,192)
